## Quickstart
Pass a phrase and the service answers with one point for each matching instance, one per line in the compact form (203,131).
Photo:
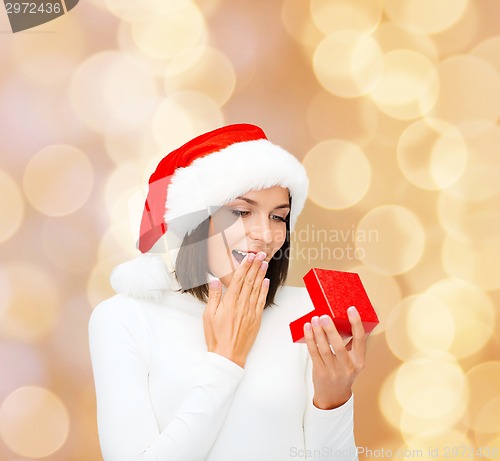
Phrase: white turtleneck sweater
(162,397)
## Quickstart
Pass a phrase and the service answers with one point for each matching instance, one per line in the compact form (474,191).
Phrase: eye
(240,213)
(278,218)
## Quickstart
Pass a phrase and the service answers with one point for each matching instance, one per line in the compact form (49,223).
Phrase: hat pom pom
(145,277)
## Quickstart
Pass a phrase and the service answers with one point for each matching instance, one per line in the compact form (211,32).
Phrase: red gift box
(332,292)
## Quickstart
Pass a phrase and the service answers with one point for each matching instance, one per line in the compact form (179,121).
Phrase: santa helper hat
(189,184)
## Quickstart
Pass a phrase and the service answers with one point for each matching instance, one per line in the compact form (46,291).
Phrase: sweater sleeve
(127,426)
(328,434)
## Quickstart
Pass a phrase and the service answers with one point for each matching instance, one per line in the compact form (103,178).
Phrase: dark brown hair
(191,266)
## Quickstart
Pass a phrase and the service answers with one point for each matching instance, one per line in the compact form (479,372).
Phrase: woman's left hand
(334,373)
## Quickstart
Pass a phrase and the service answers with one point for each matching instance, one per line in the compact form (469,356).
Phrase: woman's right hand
(231,324)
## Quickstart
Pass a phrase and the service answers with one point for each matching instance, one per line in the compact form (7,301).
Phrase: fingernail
(214,284)
(264,265)
(325,320)
(315,321)
(307,326)
(261,256)
(266,282)
(250,257)
(352,313)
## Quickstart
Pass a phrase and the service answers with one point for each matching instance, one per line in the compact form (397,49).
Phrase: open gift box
(332,292)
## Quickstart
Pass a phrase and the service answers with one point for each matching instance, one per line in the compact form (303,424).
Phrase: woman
(193,358)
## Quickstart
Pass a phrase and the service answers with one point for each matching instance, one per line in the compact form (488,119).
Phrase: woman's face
(252,222)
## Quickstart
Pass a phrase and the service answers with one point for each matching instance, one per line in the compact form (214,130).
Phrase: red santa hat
(194,180)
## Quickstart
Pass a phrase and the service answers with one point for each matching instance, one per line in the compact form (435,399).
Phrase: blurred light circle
(298,23)
(49,118)
(69,349)
(130,146)
(204,113)
(167,35)
(58,180)
(348,64)
(425,16)
(487,419)
(477,83)
(354,119)
(136,200)
(408,424)
(29,364)
(132,114)
(388,403)
(405,323)
(98,284)
(340,174)
(488,50)
(391,37)
(446,442)
(431,386)
(432,154)
(69,242)
(128,135)
(482,411)
(120,185)
(118,240)
(33,303)
(46,59)
(34,422)
(430,324)
(105,82)
(465,33)
(172,125)
(391,238)
(211,74)
(85,399)
(474,262)
(473,314)
(5,289)
(256,44)
(334,15)
(408,87)
(185,61)
(469,222)
(412,426)
(141,10)
(384,291)
(11,207)
(481,178)
(155,67)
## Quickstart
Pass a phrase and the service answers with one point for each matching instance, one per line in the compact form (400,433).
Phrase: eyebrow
(253,202)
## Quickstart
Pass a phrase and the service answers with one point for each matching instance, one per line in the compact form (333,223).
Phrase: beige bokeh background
(391,105)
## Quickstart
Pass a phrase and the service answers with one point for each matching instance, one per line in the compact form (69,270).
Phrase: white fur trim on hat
(145,276)
(218,178)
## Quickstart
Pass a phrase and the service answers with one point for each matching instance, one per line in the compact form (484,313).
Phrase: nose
(261,231)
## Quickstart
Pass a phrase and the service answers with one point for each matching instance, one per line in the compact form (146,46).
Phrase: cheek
(219,259)
(223,236)
(279,238)
(214,244)
(226,230)
(235,233)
